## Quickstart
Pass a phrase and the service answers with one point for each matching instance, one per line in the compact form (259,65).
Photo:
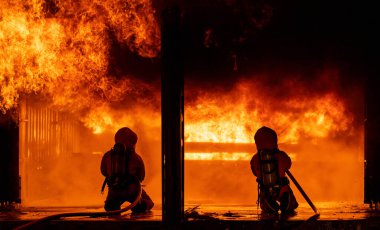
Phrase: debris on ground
(193,214)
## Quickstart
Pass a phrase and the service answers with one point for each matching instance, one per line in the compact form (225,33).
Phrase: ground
(333,215)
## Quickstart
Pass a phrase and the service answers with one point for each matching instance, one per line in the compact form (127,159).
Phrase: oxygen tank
(118,165)
(269,171)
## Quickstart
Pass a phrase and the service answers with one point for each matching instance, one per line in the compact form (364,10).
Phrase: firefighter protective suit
(269,165)
(124,169)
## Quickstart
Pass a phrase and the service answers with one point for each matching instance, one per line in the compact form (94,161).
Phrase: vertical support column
(172,119)
(22,148)
(9,158)
(372,141)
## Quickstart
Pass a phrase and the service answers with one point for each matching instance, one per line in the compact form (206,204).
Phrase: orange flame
(234,117)
(60,50)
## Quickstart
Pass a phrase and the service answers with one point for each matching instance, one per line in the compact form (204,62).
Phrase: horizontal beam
(210,147)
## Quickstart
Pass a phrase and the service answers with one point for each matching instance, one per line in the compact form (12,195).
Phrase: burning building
(74,72)
(63,72)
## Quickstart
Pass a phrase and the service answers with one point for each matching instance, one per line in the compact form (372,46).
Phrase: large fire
(316,129)
(60,49)
(57,58)
(60,52)
(234,116)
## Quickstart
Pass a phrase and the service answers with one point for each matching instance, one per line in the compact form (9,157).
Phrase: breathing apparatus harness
(119,177)
(270,182)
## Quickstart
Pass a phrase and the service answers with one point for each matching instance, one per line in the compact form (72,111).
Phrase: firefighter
(124,169)
(269,165)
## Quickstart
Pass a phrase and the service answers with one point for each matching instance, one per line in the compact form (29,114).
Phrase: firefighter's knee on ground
(111,205)
(288,202)
(149,204)
(142,206)
(269,205)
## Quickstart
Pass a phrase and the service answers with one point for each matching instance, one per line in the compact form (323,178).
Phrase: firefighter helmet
(266,138)
(126,136)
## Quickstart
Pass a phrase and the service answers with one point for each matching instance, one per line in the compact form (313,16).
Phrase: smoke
(56,175)
(332,169)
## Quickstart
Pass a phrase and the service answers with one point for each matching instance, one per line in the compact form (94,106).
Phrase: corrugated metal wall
(49,133)
(45,136)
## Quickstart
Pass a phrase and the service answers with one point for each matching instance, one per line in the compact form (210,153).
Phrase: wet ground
(327,210)
(207,216)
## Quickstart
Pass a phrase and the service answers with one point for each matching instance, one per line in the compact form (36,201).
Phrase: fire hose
(302,192)
(89,214)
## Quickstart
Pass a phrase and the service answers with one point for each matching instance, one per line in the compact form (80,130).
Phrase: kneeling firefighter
(269,165)
(124,170)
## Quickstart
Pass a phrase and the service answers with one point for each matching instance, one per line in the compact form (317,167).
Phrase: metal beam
(372,142)
(172,119)
(209,147)
(9,159)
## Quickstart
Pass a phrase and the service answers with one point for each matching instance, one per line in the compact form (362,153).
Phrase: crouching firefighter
(124,170)
(269,165)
